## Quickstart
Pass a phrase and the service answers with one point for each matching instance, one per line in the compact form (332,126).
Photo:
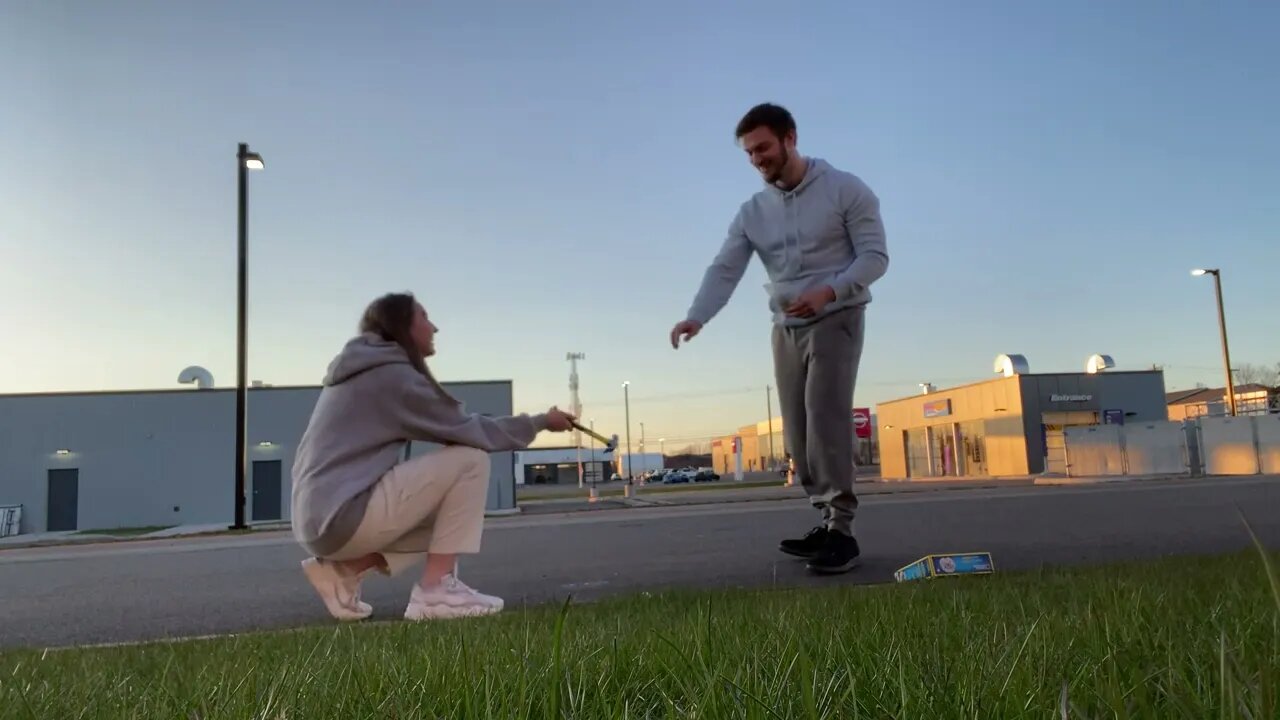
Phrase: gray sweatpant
(816,367)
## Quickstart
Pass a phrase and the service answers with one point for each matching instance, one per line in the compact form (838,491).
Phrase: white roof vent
(202,378)
(1010,365)
(1099,363)
(926,388)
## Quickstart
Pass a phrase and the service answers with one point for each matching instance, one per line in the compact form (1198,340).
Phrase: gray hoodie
(825,231)
(372,403)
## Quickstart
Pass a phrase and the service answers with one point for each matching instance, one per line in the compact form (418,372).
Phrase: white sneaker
(451,599)
(340,591)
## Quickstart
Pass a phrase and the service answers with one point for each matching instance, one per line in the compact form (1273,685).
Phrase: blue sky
(556,178)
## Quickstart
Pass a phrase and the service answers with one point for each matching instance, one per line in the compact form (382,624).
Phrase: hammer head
(613,444)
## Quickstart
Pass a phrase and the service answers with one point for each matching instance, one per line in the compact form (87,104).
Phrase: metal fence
(10,520)
(1205,445)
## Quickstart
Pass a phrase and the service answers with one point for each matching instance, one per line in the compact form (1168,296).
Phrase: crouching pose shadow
(357,508)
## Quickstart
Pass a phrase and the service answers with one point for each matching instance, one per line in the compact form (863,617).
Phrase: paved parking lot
(145,590)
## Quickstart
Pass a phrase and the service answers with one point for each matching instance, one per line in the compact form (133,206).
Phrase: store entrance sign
(1057,397)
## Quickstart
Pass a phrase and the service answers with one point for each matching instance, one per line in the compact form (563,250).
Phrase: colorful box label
(946,564)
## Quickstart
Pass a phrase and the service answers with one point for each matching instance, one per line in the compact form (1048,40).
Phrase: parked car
(674,477)
(706,475)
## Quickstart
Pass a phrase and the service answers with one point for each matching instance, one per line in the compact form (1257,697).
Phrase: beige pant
(433,503)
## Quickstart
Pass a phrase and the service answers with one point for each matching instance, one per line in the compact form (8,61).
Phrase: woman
(356,508)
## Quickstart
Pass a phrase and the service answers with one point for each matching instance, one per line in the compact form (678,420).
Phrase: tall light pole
(768,404)
(594,469)
(245,161)
(662,450)
(645,465)
(626,399)
(575,407)
(1222,329)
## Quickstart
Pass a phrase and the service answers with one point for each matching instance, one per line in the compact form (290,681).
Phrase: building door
(266,490)
(916,444)
(1054,425)
(63,509)
(942,447)
(1055,449)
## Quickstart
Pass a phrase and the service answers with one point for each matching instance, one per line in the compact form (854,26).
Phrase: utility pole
(575,406)
(1222,329)
(626,399)
(768,403)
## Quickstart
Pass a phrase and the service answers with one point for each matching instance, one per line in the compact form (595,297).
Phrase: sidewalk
(76,537)
(729,493)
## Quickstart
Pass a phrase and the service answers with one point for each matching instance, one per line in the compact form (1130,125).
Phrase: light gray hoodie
(825,231)
(372,403)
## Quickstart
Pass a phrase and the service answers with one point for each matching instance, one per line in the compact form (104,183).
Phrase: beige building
(1250,400)
(1009,426)
(764,447)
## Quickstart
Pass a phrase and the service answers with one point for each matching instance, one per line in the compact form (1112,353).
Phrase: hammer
(609,443)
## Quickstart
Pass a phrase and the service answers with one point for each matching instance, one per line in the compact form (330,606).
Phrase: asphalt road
(52,597)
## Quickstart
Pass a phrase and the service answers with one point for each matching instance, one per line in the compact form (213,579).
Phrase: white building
(637,463)
(559,465)
(78,461)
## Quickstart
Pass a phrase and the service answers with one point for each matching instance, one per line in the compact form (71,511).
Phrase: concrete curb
(1112,479)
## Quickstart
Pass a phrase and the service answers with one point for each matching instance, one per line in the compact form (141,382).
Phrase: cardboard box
(945,564)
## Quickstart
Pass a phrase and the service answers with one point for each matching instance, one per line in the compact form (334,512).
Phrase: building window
(917,448)
(973,444)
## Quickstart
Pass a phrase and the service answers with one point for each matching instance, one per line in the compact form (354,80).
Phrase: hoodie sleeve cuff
(539,422)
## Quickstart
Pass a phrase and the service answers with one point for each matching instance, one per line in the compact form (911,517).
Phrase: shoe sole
(798,553)
(449,612)
(834,569)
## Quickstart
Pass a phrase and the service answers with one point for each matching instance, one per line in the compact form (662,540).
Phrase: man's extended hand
(559,420)
(811,302)
(686,328)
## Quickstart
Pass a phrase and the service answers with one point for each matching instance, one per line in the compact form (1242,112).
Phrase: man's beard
(775,177)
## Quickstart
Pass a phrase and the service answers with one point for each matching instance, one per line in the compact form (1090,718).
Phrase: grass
(1179,638)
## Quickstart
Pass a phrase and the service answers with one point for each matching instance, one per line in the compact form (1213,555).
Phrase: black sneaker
(808,546)
(838,555)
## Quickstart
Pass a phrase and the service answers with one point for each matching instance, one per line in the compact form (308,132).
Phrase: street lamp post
(626,398)
(245,161)
(1222,330)
(594,469)
(662,450)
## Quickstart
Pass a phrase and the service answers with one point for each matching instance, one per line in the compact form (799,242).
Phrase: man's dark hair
(774,117)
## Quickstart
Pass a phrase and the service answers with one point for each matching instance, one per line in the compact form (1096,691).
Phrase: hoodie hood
(361,354)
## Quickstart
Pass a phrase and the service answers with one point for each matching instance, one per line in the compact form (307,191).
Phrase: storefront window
(917,446)
(973,445)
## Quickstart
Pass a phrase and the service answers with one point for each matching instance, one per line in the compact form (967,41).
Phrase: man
(818,232)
